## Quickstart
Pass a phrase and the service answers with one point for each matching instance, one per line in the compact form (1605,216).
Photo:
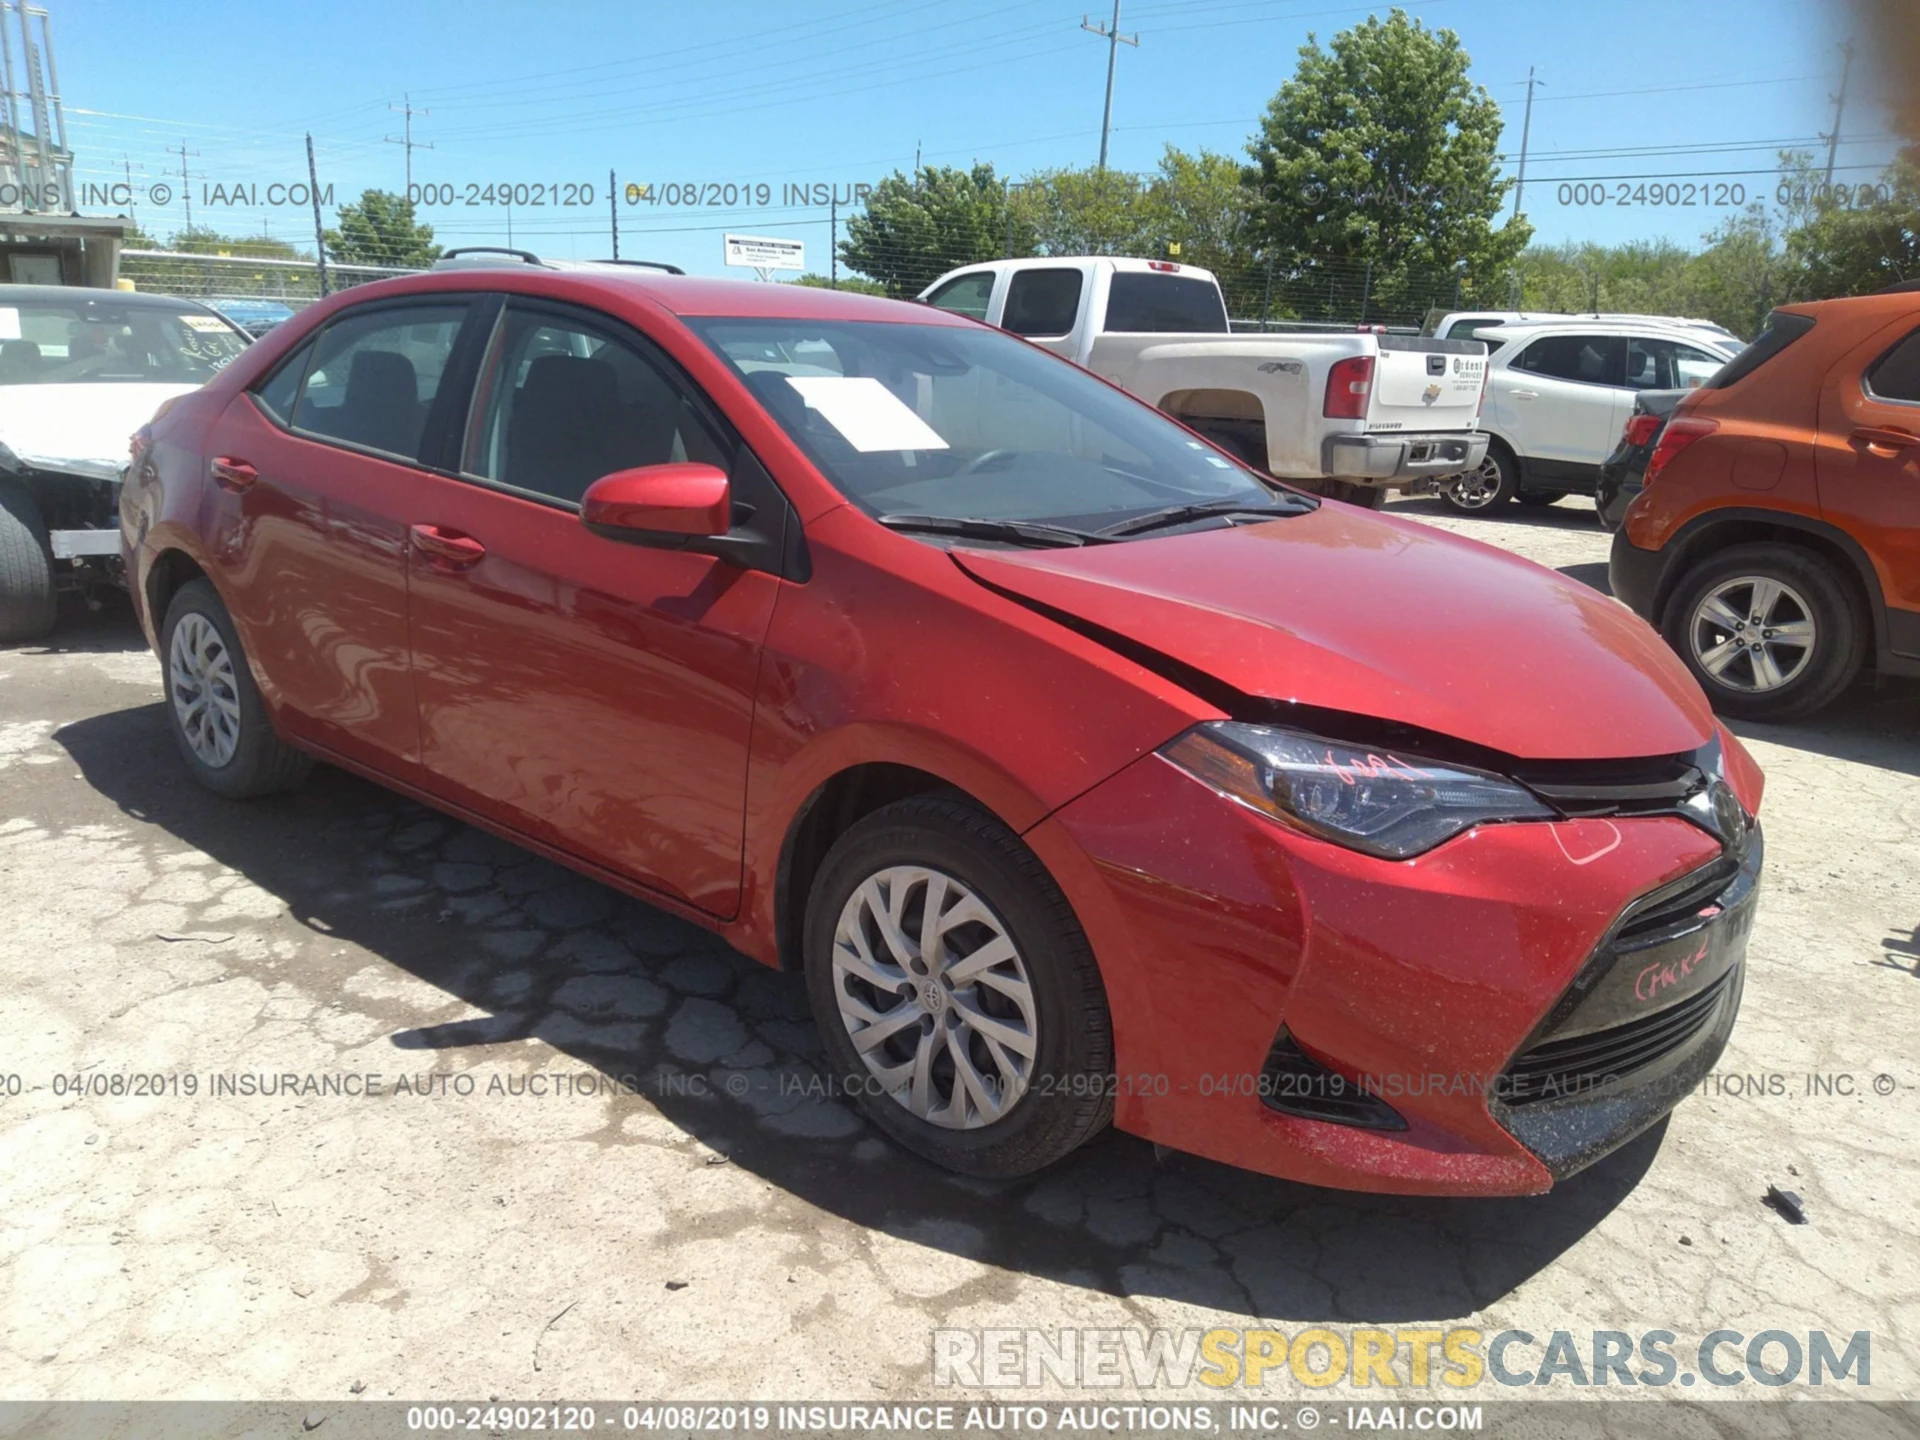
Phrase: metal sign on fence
(764,255)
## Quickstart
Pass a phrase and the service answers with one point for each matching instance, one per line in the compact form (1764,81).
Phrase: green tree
(853,284)
(1381,151)
(914,230)
(1855,239)
(379,229)
(203,241)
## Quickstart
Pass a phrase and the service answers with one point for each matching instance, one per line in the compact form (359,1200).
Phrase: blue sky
(845,90)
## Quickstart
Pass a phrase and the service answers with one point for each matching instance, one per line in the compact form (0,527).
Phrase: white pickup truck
(1353,414)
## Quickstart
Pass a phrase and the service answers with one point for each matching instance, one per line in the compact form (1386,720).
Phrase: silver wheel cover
(200,682)
(935,997)
(1752,634)
(1475,489)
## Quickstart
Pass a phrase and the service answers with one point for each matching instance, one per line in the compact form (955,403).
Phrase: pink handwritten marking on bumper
(1665,974)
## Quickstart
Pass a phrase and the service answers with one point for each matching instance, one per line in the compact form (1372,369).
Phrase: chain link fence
(294,283)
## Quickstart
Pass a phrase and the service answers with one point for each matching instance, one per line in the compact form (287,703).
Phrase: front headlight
(1368,800)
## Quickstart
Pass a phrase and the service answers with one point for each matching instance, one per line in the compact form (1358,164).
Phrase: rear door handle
(1876,438)
(233,473)
(447,547)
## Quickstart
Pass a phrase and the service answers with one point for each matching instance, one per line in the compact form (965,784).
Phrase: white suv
(1559,393)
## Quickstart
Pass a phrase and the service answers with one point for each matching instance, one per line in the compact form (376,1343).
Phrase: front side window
(106,341)
(939,420)
(1586,359)
(966,295)
(1042,302)
(374,376)
(562,403)
(282,388)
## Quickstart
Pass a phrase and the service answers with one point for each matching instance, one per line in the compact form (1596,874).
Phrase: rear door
(1563,398)
(594,695)
(1868,466)
(318,472)
(1044,304)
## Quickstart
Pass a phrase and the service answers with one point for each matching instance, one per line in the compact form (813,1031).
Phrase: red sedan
(1087,774)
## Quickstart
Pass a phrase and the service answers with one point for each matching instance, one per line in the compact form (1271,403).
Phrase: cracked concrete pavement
(609,1175)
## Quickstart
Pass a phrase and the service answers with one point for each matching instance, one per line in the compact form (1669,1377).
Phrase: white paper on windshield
(869,415)
(211,323)
(9,322)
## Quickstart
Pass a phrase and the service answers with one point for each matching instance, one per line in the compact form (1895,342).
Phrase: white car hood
(76,429)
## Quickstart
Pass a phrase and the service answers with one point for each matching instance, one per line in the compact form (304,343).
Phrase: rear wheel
(27,603)
(1487,487)
(957,999)
(1770,631)
(214,709)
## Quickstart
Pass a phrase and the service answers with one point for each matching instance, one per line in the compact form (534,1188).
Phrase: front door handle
(1524,394)
(232,473)
(447,547)
(1881,440)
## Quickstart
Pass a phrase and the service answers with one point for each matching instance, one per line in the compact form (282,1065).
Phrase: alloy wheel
(200,680)
(935,997)
(1478,488)
(1752,633)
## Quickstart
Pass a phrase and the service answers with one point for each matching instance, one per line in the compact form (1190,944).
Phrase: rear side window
(276,397)
(1896,374)
(967,295)
(1780,331)
(1587,359)
(1042,302)
(1164,304)
(374,376)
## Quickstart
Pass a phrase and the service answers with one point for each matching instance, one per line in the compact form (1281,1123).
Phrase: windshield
(938,420)
(87,341)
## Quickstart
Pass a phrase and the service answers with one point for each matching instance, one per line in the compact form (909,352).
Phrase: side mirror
(663,505)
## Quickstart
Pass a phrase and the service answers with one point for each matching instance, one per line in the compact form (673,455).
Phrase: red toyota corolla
(1087,774)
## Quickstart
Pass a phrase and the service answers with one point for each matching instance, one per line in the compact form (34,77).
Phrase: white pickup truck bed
(1354,413)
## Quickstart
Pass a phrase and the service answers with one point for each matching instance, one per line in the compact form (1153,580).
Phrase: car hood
(76,429)
(1382,617)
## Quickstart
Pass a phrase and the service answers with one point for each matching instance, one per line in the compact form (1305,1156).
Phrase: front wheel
(1769,631)
(957,998)
(1486,487)
(27,603)
(214,709)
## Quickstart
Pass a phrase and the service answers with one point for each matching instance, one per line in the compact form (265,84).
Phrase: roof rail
(649,264)
(525,256)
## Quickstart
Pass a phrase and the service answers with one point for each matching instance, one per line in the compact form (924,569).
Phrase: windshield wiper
(1180,514)
(1023,532)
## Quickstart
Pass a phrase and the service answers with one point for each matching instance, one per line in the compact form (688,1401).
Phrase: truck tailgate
(1424,383)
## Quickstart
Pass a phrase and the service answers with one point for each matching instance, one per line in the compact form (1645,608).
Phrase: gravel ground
(724,1232)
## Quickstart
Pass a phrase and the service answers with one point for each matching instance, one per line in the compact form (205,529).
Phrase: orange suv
(1777,542)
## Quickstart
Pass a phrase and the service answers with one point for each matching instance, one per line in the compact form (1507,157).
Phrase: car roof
(1505,335)
(23,294)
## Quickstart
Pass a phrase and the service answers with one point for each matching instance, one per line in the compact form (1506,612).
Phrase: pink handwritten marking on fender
(1612,844)
(1379,767)
(1665,974)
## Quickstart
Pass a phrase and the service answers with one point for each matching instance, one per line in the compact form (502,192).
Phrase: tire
(27,603)
(214,709)
(1542,498)
(893,858)
(1367,497)
(1783,679)
(1482,491)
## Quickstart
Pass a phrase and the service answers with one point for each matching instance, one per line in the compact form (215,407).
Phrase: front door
(595,695)
(317,476)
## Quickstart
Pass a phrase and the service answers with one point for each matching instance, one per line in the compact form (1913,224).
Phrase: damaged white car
(80,371)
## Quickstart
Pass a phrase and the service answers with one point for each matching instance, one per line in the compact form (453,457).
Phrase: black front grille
(1579,1065)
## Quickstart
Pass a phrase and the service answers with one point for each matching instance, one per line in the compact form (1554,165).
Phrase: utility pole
(1839,109)
(405,108)
(319,237)
(1526,130)
(126,162)
(833,238)
(1111,34)
(613,214)
(186,183)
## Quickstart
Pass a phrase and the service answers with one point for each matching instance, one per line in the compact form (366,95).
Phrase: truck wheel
(1367,497)
(1769,631)
(1475,492)
(27,605)
(213,707)
(957,998)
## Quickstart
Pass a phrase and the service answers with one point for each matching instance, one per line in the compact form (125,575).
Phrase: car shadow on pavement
(1875,723)
(105,627)
(725,1050)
